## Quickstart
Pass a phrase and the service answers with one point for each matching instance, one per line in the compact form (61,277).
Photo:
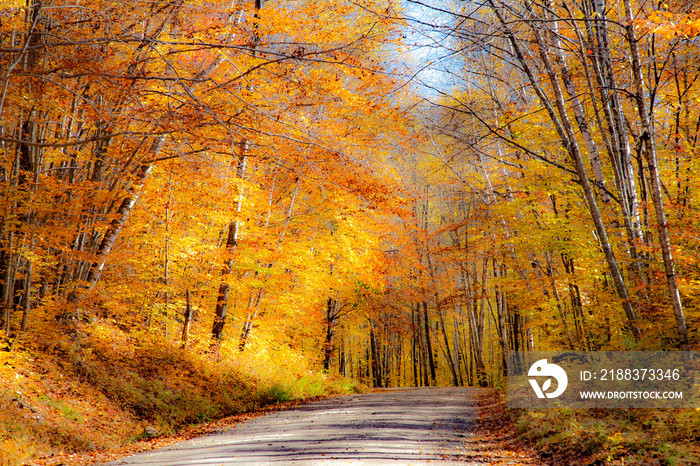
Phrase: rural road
(397,426)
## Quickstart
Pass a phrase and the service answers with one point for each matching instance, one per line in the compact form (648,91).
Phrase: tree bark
(331,321)
(112,234)
(414,347)
(648,138)
(217,329)
(501,315)
(375,363)
(559,117)
(428,343)
(450,359)
(188,318)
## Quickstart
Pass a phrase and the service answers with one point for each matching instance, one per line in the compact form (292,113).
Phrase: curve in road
(394,426)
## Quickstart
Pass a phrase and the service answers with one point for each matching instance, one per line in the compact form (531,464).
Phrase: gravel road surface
(395,426)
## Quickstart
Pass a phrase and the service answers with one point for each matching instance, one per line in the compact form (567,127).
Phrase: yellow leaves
(7,4)
(10,360)
(305,104)
(671,25)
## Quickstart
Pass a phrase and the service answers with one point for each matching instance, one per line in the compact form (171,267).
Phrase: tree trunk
(577,107)
(648,138)
(217,329)
(188,318)
(414,348)
(558,114)
(253,311)
(616,136)
(423,359)
(428,344)
(450,359)
(375,363)
(27,291)
(110,237)
(331,313)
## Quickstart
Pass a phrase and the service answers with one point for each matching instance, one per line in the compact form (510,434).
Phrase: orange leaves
(188,89)
(672,25)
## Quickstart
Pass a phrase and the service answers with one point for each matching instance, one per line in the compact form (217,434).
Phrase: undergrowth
(96,388)
(619,437)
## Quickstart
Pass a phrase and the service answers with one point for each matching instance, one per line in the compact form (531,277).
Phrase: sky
(428,58)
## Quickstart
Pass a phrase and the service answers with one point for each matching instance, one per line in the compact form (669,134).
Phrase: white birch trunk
(652,165)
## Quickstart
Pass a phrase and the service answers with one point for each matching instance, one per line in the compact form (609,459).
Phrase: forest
(209,205)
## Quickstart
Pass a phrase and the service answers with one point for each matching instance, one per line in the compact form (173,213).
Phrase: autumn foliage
(155,152)
(243,200)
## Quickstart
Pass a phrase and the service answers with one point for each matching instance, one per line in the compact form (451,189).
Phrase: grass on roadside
(102,388)
(590,437)
(617,437)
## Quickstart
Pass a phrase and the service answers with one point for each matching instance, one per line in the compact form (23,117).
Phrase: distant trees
(231,173)
(592,79)
(557,176)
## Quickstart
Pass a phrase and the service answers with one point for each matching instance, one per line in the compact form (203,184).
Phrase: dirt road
(398,426)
